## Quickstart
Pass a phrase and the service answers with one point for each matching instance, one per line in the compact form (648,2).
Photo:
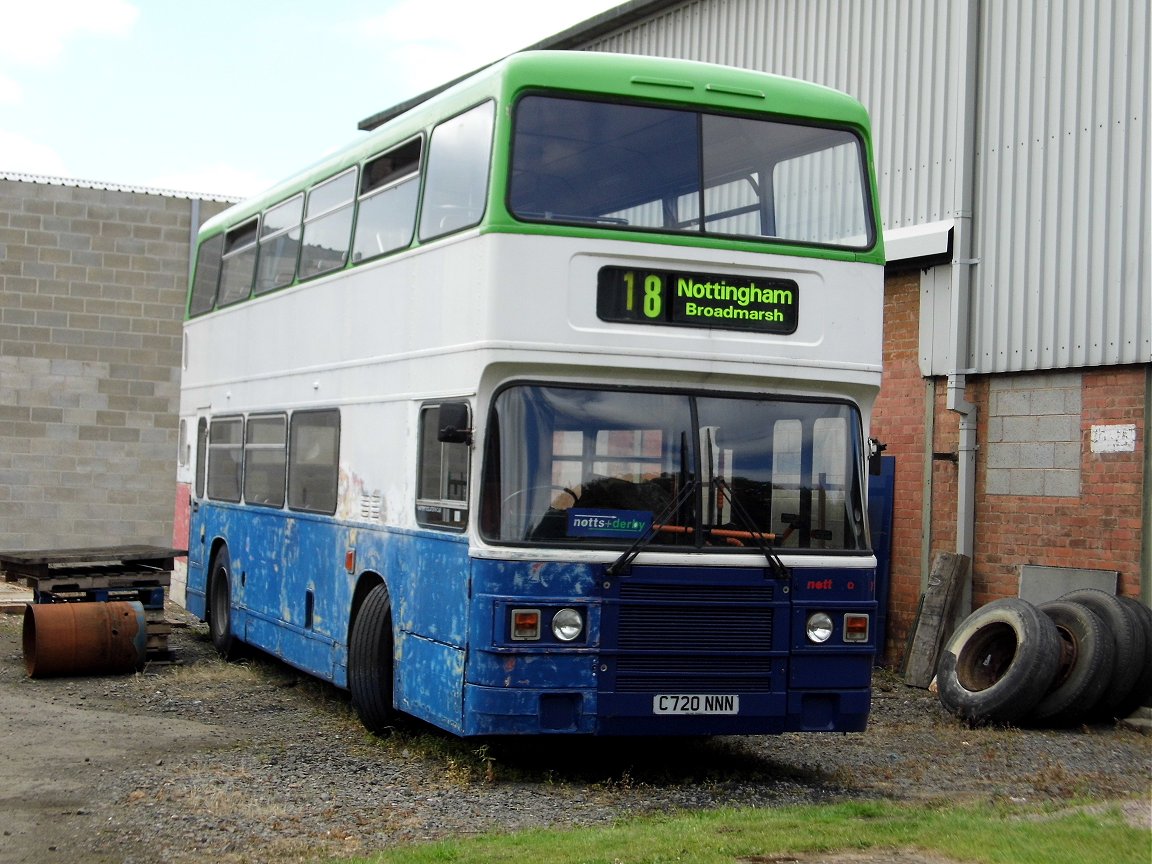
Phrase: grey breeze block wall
(92,285)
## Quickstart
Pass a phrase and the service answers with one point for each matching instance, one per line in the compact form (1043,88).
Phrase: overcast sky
(230,96)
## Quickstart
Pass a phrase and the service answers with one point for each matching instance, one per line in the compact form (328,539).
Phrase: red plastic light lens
(855,628)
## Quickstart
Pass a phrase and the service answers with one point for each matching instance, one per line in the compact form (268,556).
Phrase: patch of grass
(211,673)
(981,834)
(465,762)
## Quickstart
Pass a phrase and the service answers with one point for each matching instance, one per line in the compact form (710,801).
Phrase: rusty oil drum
(84,638)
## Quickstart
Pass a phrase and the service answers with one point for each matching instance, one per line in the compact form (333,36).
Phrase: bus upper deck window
(387,210)
(628,166)
(239,263)
(279,245)
(207,280)
(456,185)
(328,225)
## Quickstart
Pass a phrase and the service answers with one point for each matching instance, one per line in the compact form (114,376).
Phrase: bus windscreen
(589,466)
(641,167)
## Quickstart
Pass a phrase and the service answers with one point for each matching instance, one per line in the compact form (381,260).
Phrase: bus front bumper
(515,711)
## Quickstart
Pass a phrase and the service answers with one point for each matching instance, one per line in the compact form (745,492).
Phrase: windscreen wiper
(779,570)
(621,564)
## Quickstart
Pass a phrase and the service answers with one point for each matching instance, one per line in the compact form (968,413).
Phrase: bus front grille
(692,638)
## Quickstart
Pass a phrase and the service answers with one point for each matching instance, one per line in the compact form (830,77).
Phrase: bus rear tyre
(999,663)
(220,606)
(370,663)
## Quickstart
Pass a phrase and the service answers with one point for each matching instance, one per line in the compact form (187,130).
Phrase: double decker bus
(543,408)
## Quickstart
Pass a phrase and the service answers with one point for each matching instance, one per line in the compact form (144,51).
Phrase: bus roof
(643,78)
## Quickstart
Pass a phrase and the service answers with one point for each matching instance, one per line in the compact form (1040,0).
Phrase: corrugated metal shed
(1060,219)
(47,180)
(1062,227)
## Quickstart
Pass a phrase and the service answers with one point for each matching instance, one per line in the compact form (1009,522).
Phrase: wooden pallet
(92,561)
(101,574)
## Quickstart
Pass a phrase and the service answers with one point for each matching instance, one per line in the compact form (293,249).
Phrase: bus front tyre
(220,606)
(370,663)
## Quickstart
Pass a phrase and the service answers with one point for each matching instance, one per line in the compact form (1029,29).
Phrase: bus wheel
(370,662)
(999,663)
(220,605)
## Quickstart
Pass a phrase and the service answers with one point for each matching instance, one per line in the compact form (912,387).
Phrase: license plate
(708,703)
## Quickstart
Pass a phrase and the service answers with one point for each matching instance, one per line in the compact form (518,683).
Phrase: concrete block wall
(1033,443)
(92,286)
(1084,506)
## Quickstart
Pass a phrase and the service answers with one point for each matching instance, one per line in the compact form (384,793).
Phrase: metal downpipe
(967,27)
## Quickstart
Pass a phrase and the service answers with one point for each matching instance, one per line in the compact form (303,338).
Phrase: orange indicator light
(525,624)
(855,628)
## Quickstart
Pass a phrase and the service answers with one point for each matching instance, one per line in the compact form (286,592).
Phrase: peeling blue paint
(661,629)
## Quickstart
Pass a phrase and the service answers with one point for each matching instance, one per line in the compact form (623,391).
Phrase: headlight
(819,627)
(567,624)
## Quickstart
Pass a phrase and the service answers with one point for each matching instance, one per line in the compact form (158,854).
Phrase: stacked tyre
(1084,658)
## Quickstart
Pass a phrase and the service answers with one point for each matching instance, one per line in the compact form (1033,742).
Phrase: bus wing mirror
(875,448)
(455,425)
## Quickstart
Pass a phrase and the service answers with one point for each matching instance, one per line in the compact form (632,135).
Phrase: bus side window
(314,461)
(328,225)
(388,195)
(265,459)
(442,482)
(184,452)
(239,266)
(208,260)
(201,456)
(279,245)
(456,183)
(225,458)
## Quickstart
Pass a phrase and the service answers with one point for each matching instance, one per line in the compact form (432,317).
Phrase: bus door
(195,539)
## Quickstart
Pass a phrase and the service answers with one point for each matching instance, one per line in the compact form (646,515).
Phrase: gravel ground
(240,762)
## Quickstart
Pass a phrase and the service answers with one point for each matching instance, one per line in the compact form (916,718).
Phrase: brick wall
(898,421)
(1084,508)
(1045,493)
(92,287)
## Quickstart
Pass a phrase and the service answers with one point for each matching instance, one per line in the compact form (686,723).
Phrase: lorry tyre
(1086,660)
(1128,638)
(1142,690)
(999,663)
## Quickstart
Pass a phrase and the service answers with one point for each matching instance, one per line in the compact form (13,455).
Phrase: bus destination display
(692,299)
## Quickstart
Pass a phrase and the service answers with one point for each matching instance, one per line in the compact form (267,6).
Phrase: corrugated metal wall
(1061,216)
(1062,220)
